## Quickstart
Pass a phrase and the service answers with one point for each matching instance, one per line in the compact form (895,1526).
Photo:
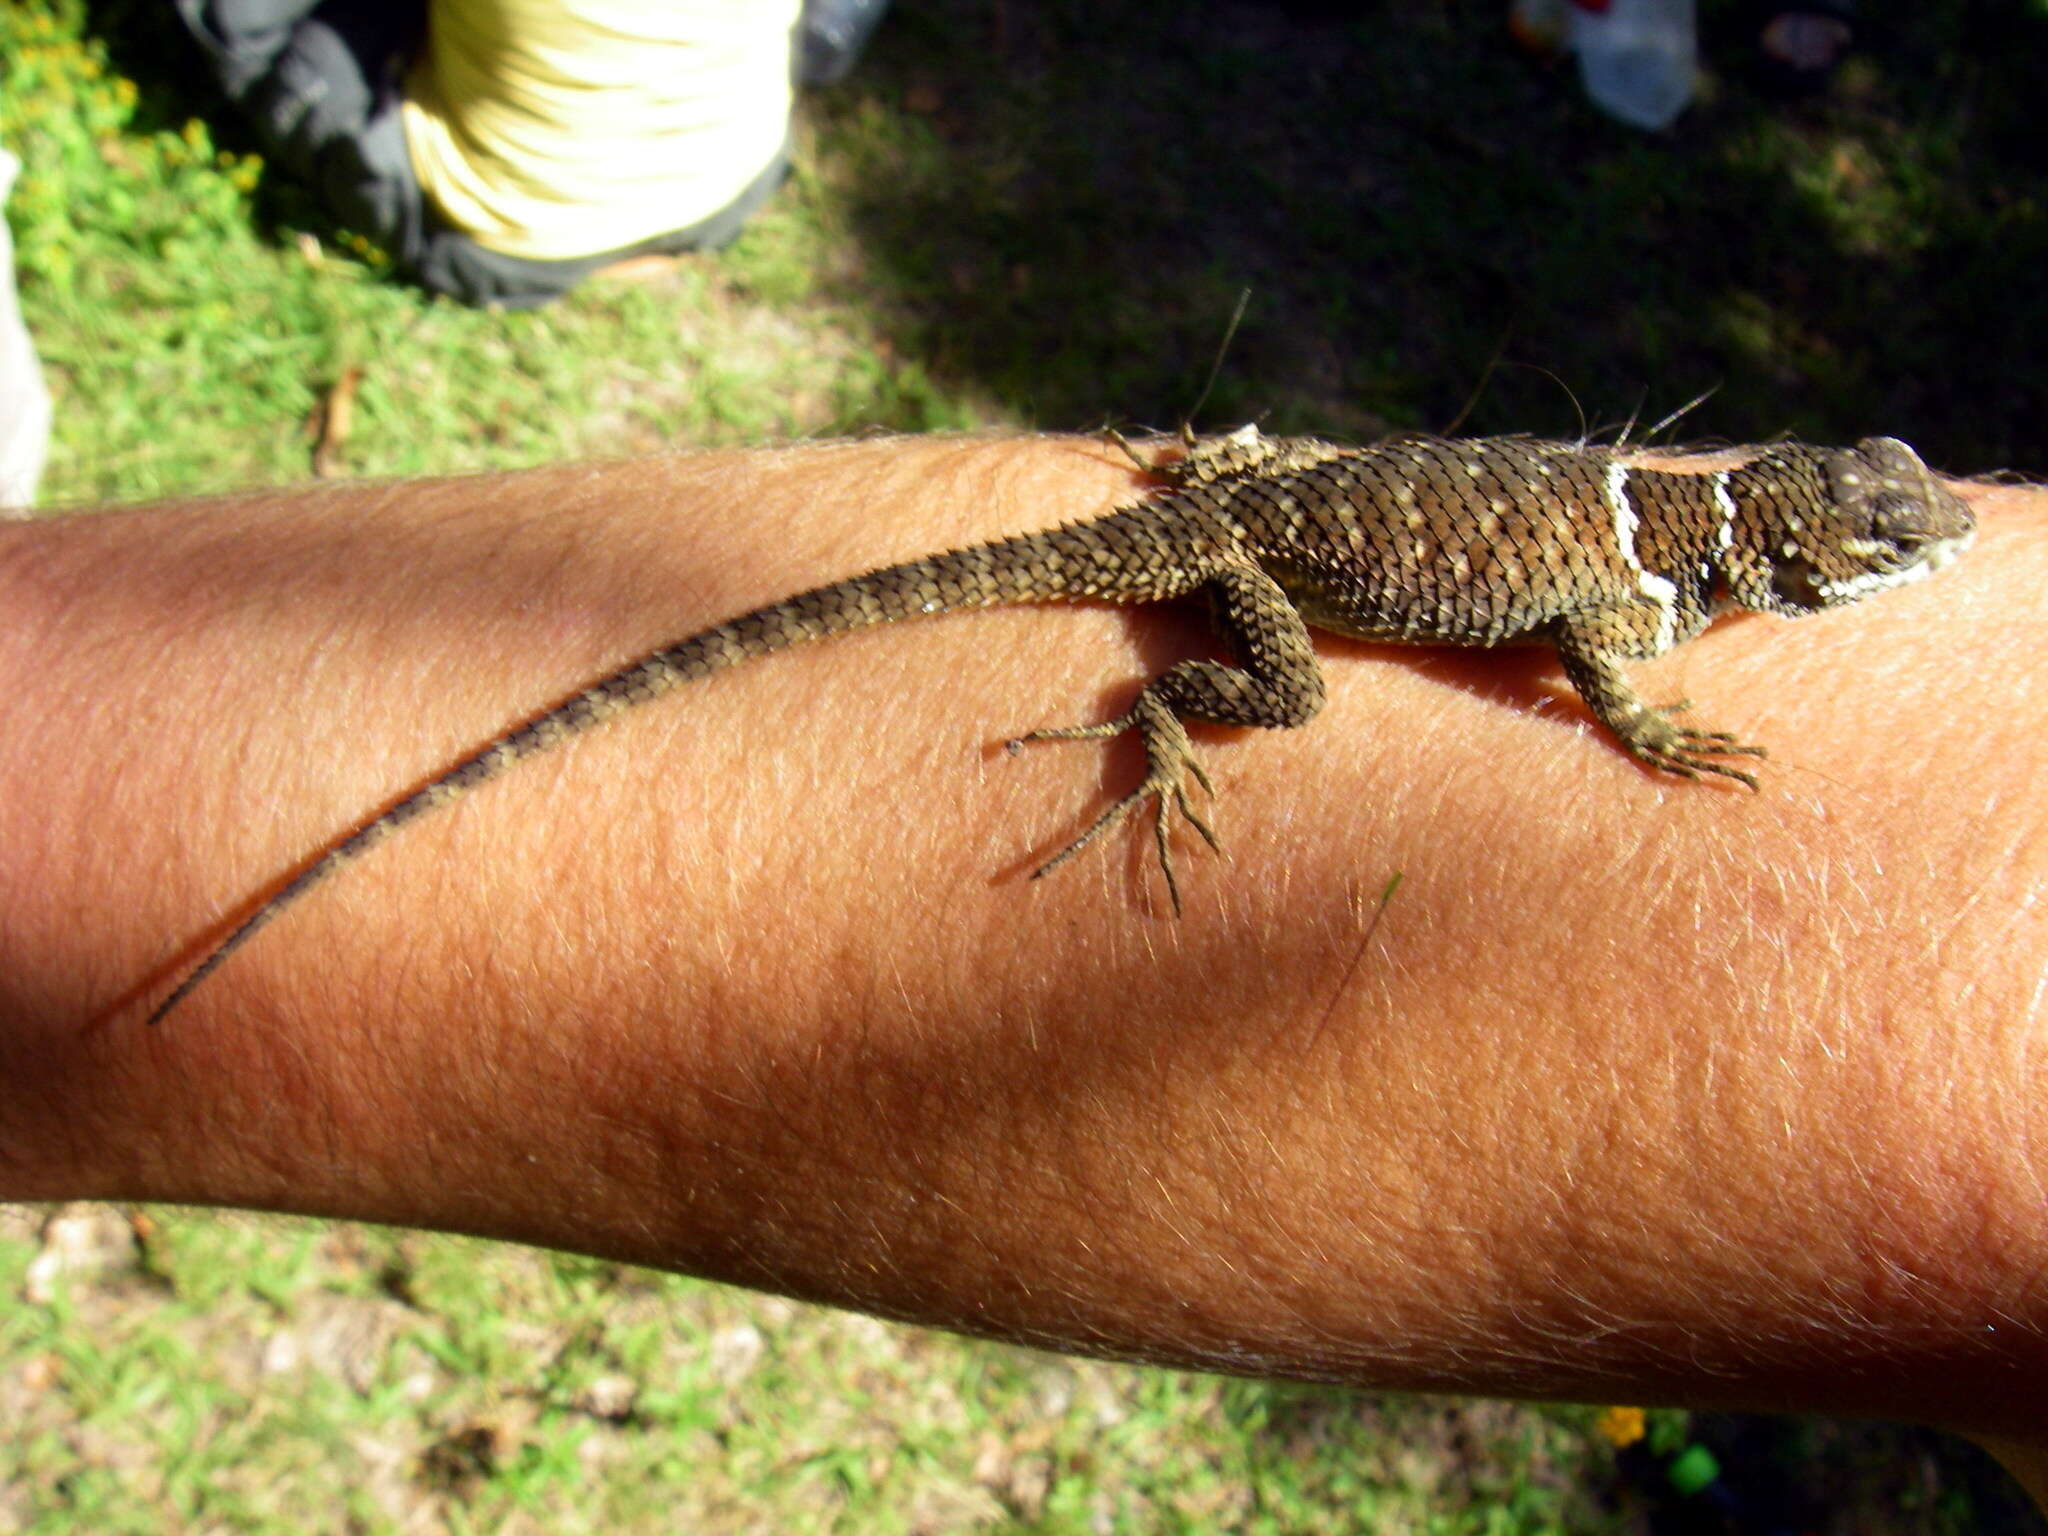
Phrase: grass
(222,1372)
(1012,215)
(253,1374)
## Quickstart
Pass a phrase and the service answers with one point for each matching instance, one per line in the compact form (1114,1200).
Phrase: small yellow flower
(1622,1427)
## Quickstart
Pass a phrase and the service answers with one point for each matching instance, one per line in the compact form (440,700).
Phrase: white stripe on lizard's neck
(1657,589)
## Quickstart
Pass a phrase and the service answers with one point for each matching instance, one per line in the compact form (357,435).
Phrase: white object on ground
(1637,58)
(24,398)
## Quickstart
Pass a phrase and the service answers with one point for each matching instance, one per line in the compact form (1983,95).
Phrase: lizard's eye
(1896,524)
(1903,522)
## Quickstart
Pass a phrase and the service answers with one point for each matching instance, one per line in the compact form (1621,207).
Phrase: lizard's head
(1879,520)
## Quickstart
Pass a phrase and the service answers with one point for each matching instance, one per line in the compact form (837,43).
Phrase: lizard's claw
(1171,762)
(1686,752)
(1129,452)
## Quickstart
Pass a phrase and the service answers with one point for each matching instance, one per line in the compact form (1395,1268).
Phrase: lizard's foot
(1680,749)
(1170,760)
(1169,471)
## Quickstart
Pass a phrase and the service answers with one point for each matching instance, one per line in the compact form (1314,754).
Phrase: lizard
(1475,542)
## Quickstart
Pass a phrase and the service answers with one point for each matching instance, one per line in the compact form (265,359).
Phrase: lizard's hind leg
(1277,685)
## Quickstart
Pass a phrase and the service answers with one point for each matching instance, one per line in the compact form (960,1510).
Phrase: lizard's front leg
(1279,684)
(1592,647)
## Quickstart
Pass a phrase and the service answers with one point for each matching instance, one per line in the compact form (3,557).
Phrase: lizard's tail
(1087,561)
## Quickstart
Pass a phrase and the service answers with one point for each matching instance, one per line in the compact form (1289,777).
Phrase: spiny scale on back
(1480,542)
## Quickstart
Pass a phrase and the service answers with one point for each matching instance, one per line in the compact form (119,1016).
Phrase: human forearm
(1638,1089)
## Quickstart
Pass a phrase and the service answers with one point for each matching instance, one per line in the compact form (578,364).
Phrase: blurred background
(1007,216)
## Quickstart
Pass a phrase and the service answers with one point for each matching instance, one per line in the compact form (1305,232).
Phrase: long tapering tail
(1033,567)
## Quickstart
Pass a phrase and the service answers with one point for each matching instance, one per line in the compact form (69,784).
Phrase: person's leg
(320,84)
(242,38)
(830,36)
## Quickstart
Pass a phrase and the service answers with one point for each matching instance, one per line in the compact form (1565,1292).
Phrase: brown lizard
(1479,542)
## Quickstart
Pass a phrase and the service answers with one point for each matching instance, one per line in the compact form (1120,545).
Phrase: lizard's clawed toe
(1170,763)
(1687,752)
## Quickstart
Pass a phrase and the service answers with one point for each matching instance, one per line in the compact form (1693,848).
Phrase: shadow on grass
(1405,195)
(1064,201)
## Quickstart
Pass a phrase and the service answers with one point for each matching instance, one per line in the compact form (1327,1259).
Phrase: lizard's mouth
(1928,559)
(1943,552)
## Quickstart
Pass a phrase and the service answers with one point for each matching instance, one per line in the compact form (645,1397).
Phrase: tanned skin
(1639,1089)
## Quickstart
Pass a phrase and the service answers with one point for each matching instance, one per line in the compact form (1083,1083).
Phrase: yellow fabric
(553,129)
